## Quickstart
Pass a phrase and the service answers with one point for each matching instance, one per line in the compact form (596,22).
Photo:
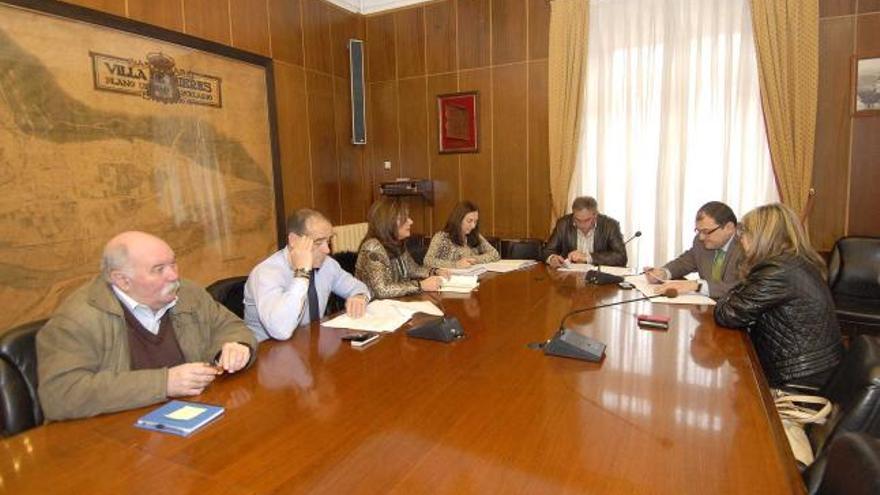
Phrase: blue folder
(162,419)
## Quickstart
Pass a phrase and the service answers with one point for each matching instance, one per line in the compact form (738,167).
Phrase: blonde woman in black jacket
(783,301)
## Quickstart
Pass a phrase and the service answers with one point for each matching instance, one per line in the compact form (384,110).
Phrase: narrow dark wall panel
(250,26)
(293,135)
(440,29)
(509,30)
(322,136)
(413,115)
(539,152)
(285,21)
(316,35)
(474,23)
(353,180)
(381,62)
(510,150)
(410,28)
(163,13)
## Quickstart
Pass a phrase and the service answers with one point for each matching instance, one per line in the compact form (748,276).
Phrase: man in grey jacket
(136,335)
(714,255)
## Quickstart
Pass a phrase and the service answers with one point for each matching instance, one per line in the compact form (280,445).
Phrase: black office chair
(854,389)
(417,245)
(230,293)
(521,249)
(19,403)
(495,242)
(347,260)
(854,279)
(850,466)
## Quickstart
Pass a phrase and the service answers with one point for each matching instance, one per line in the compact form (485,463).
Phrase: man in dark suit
(715,256)
(585,236)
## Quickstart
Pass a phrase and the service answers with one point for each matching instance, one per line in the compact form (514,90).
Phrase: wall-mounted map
(103,131)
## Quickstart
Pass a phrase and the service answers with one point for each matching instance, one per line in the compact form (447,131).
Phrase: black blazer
(608,248)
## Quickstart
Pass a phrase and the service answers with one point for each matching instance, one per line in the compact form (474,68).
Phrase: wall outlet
(387,165)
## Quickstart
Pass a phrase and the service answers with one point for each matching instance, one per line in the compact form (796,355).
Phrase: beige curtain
(569,22)
(787,43)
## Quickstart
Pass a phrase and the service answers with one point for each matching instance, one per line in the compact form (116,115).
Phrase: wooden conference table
(678,411)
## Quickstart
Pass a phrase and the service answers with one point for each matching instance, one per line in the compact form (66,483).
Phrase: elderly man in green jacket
(136,335)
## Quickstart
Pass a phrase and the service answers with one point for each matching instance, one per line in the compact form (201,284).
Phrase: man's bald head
(143,266)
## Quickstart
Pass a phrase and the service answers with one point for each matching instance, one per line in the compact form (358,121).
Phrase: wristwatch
(302,273)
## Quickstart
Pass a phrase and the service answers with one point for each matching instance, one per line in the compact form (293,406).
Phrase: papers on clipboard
(384,315)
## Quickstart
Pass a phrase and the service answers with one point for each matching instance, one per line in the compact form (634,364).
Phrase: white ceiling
(373,6)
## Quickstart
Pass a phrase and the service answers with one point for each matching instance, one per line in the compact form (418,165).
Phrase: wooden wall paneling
(382,131)
(476,168)
(539,28)
(410,41)
(316,35)
(864,200)
(445,167)
(867,6)
(293,135)
(539,152)
(509,31)
(831,158)
(322,136)
(115,7)
(509,150)
(207,19)
(473,33)
(354,183)
(413,116)
(163,13)
(868,36)
(343,26)
(250,26)
(381,61)
(285,18)
(440,35)
(831,8)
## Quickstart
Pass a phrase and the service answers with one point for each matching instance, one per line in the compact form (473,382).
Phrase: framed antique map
(109,125)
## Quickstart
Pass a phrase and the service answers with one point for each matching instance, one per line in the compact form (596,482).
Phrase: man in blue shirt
(291,287)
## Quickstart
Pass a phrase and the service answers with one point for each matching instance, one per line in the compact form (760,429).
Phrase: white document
(647,289)
(473,270)
(384,315)
(504,266)
(459,283)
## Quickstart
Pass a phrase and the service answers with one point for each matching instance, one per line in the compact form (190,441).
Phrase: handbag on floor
(795,411)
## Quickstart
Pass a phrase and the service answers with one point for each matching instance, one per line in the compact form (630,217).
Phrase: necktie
(718,264)
(314,306)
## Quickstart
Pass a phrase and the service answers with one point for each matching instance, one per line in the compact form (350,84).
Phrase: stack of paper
(384,315)
(473,270)
(648,289)
(459,283)
(504,266)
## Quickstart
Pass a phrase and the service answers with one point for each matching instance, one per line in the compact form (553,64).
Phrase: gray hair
(584,203)
(296,223)
(115,257)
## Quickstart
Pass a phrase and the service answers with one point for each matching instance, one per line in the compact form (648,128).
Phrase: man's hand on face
(300,251)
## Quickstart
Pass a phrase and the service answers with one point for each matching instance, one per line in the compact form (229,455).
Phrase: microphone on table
(598,277)
(570,344)
(442,329)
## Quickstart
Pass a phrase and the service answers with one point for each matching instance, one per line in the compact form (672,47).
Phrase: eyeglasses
(706,232)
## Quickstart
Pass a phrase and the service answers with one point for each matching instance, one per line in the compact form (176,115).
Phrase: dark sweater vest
(150,351)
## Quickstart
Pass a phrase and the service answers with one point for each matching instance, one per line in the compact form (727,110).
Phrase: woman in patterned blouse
(459,244)
(384,263)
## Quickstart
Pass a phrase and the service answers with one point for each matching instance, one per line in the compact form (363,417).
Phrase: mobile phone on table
(361,339)
(653,321)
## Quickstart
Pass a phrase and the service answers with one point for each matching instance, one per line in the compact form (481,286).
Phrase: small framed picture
(457,122)
(866,73)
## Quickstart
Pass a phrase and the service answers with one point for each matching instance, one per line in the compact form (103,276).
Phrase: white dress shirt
(145,315)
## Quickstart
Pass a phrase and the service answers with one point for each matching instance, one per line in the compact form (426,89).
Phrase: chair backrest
(417,245)
(521,249)
(349,237)
(854,389)
(347,260)
(230,293)
(854,267)
(19,403)
(850,466)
